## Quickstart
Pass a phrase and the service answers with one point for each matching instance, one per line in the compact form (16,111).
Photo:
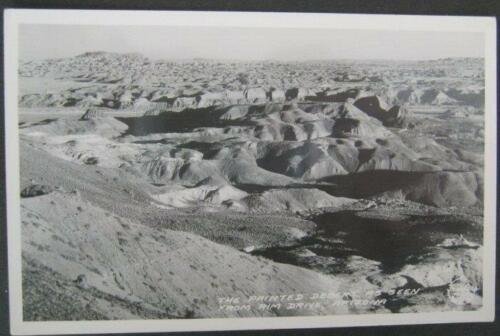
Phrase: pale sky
(163,42)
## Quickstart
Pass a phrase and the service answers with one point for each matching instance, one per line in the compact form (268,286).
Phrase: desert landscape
(201,188)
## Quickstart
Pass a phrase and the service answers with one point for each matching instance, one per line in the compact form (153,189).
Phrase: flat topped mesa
(91,53)
(92,114)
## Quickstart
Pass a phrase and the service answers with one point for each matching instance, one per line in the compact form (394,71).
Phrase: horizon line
(156,59)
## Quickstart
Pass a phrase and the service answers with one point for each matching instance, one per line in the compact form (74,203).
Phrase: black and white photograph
(203,171)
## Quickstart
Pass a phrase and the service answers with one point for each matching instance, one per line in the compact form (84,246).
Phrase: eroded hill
(152,189)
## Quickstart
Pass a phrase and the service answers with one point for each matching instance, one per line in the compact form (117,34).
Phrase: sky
(284,44)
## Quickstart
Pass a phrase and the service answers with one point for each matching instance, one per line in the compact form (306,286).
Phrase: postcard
(194,171)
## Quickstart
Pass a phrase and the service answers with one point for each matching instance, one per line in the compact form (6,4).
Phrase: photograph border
(14,17)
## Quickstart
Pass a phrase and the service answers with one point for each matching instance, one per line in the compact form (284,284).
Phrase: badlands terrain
(188,189)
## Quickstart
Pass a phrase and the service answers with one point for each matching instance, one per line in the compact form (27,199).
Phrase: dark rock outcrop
(92,114)
(36,190)
(396,116)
